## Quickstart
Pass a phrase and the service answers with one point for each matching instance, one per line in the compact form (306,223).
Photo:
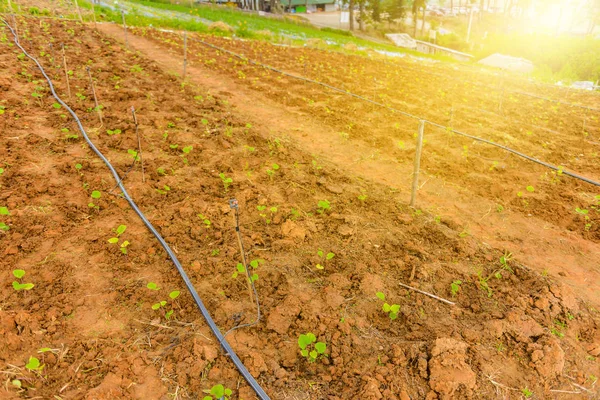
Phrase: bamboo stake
(78,11)
(415,185)
(94,14)
(135,121)
(124,27)
(66,71)
(184,52)
(95,98)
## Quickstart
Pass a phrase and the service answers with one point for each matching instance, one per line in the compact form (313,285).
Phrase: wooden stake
(95,98)
(415,185)
(78,11)
(184,52)
(94,14)
(66,71)
(124,27)
(139,142)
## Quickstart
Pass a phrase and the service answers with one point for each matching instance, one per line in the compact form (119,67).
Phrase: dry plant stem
(95,98)
(66,70)
(135,121)
(427,294)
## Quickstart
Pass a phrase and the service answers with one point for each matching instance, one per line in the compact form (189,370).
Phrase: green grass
(295,30)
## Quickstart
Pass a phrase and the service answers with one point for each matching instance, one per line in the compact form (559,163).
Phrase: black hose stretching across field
(515,152)
(211,323)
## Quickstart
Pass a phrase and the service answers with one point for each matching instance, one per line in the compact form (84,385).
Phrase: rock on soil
(448,368)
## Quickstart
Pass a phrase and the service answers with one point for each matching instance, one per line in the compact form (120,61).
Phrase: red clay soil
(512,327)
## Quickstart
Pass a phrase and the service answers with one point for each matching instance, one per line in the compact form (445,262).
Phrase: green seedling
(504,259)
(526,392)
(205,220)
(483,283)
(163,303)
(34,364)
(267,213)
(115,240)
(392,310)
(1,171)
(271,171)
(96,194)
(310,348)
(133,154)
(324,257)
(241,270)
(362,197)
(78,167)
(186,150)
(584,213)
(455,287)
(218,392)
(4,211)
(226,181)
(113,131)
(323,205)
(152,286)
(19,274)
(164,190)
(530,189)
(173,146)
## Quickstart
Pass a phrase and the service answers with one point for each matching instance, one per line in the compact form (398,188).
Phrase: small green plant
(4,211)
(164,190)
(113,131)
(115,240)
(34,364)
(96,194)
(455,287)
(483,283)
(19,274)
(530,189)
(271,171)
(324,257)
(226,181)
(163,303)
(267,213)
(310,348)
(133,154)
(322,206)
(504,259)
(205,220)
(392,310)
(161,171)
(217,392)
(526,392)
(362,197)
(241,270)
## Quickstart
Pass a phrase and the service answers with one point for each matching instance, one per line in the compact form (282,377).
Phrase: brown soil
(530,324)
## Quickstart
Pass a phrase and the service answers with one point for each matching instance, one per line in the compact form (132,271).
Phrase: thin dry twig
(427,294)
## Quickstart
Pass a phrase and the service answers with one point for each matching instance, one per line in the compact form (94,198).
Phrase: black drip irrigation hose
(515,152)
(205,313)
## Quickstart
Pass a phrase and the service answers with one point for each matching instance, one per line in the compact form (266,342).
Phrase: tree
(417,5)
(375,7)
(351,10)
(395,9)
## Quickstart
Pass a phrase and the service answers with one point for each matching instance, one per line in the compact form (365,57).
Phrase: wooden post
(124,27)
(184,52)
(95,98)
(415,185)
(135,121)
(66,70)
(78,11)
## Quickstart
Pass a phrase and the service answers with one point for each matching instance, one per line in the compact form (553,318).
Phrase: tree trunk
(351,10)
(361,8)
(423,21)
(415,23)
(451,6)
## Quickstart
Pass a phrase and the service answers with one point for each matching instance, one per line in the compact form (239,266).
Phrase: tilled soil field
(324,239)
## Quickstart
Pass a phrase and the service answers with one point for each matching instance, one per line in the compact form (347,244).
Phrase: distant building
(302,6)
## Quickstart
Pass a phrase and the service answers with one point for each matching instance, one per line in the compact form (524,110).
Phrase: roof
(508,62)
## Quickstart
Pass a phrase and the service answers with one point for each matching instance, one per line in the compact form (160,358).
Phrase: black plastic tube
(211,323)
(515,152)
